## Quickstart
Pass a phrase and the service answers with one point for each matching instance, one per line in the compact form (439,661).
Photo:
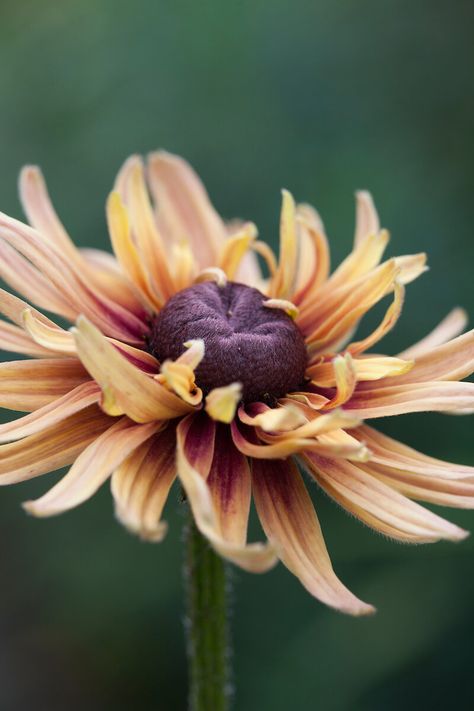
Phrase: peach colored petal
(24,278)
(138,357)
(184,208)
(361,493)
(141,484)
(253,557)
(314,257)
(290,522)
(221,403)
(53,338)
(126,251)
(434,396)
(29,384)
(247,442)
(367,368)
(367,219)
(147,237)
(92,467)
(278,419)
(53,447)
(14,339)
(389,452)
(235,248)
(451,326)
(126,389)
(74,401)
(267,254)
(453,360)
(12,307)
(388,322)
(345,377)
(411,266)
(282,284)
(214,274)
(365,257)
(178,376)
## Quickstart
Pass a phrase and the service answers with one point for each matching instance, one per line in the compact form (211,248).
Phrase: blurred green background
(322,98)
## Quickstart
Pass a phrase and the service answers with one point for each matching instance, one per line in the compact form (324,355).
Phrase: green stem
(206,623)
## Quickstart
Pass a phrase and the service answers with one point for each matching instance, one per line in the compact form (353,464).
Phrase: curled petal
(450,327)
(388,322)
(246,441)
(314,256)
(53,338)
(361,494)
(367,368)
(141,484)
(179,375)
(125,388)
(215,274)
(282,304)
(345,379)
(225,537)
(92,467)
(221,403)
(290,522)
(277,419)
(12,307)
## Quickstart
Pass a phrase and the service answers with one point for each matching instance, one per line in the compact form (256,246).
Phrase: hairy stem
(207,627)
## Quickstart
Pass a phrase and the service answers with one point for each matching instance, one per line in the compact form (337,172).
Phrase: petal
(282,284)
(14,339)
(29,384)
(221,403)
(417,397)
(230,487)
(235,248)
(314,256)
(367,219)
(345,379)
(451,361)
(12,307)
(451,326)
(193,470)
(290,522)
(184,208)
(53,447)
(53,338)
(125,388)
(367,368)
(388,322)
(92,467)
(74,401)
(389,452)
(361,494)
(141,484)
(247,442)
(179,375)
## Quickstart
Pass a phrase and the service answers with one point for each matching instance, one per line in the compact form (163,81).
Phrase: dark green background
(323,98)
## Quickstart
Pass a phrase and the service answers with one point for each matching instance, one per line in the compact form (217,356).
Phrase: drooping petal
(290,522)
(450,327)
(141,484)
(29,384)
(53,338)
(184,208)
(235,248)
(366,368)
(436,396)
(195,455)
(126,389)
(92,467)
(74,401)
(371,500)
(345,377)
(179,375)
(51,448)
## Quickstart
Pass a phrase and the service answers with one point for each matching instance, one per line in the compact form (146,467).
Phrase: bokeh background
(322,98)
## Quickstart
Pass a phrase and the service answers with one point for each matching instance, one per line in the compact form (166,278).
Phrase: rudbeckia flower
(184,362)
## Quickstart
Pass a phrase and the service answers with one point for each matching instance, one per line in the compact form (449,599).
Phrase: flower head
(183,361)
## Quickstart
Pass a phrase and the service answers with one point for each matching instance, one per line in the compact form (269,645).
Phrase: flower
(185,362)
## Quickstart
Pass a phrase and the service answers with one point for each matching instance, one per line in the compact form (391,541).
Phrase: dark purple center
(245,341)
